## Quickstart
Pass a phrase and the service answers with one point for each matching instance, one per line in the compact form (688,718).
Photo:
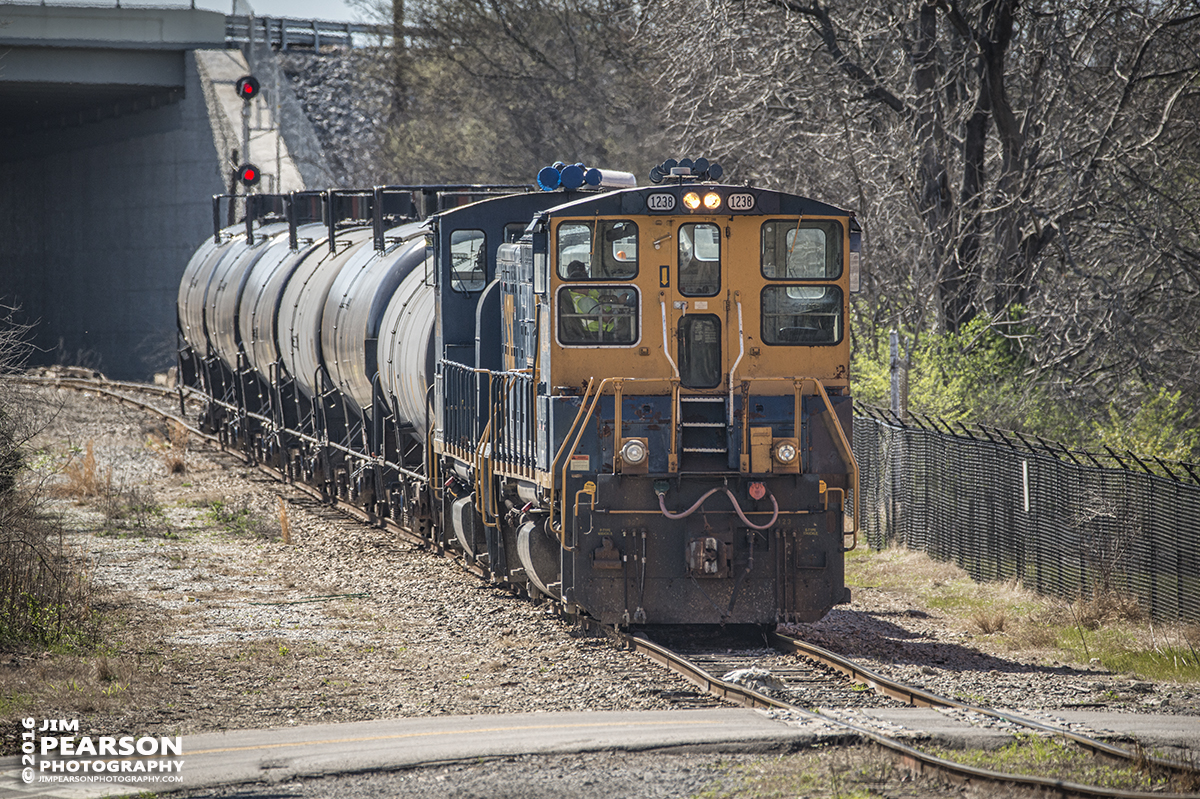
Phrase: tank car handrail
(310,439)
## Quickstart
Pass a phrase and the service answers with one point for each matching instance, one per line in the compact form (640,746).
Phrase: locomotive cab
(682,353)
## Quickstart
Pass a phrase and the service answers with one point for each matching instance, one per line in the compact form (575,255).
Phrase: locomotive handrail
(737,297)
(562,447)
(483,473)
(843,442)
(562,530)
(673,454)
(662,302)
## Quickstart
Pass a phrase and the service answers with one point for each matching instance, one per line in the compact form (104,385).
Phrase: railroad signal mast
(247,88)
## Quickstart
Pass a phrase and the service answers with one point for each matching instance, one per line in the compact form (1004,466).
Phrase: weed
(989,621)
(1107,626)
(1045,757)
(130,510)
(15,704)
(84,479)
(176,456)
(828,773)
(238,519)
(44,599)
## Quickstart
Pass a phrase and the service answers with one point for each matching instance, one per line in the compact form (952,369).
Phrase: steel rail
(914,758)
(919,697)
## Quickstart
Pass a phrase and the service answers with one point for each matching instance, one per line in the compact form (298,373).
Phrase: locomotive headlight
(633,452)
(691,200)
(785,452)
(712,201)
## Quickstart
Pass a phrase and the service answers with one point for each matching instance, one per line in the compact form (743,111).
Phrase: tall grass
(44,598)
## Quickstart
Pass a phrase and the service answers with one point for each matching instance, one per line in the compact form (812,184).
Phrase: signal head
(249,175)
(247,87)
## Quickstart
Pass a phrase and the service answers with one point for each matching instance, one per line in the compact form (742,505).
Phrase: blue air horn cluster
(700,169)
(575,176)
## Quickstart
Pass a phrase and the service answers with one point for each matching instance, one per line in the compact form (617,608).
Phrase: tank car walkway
(275,755)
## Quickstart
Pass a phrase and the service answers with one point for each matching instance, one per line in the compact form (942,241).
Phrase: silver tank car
(193,288)
(259,314)
(406,350)
(354,310)
(223,301)
(303,306)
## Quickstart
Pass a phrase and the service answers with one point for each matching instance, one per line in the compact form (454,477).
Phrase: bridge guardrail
(284,33)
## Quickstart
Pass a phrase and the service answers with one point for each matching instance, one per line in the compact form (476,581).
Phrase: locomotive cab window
(598,250)
(513,232)
(699,260)
(700,351)
(590,314)
(804,315)
(795,249)
(468,260)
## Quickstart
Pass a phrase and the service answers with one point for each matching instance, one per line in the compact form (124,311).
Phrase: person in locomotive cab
(600,314)
(585,324)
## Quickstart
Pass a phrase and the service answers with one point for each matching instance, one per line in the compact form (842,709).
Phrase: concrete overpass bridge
(117,125)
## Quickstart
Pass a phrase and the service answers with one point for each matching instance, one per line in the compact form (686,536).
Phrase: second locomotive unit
(633,401)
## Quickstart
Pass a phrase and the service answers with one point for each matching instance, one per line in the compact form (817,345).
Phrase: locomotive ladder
(703,426)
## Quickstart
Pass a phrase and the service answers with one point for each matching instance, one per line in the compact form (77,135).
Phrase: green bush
(982,375)
(1159,427)
(976,375)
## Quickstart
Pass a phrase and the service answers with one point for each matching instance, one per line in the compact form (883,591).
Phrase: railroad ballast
(633,401)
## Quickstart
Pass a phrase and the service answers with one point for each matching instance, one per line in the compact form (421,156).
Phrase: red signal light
(247,87)
(248,174)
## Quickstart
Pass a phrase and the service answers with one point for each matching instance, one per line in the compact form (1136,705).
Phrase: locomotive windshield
(793,249)
(604,249)
(801,315)
(590,314)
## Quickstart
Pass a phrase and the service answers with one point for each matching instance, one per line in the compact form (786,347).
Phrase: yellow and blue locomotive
(634,401)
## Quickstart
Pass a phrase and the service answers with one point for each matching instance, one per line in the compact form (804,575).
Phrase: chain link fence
(1003,506)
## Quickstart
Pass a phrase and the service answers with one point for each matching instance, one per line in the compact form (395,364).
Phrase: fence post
(899,371)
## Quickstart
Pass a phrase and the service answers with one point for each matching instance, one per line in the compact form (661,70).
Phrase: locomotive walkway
(276,755)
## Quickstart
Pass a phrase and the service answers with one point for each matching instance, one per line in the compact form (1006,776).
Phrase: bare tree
(1033,161)
(495,89)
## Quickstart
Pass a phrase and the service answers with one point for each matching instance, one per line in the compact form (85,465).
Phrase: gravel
(923,648)
(216,626)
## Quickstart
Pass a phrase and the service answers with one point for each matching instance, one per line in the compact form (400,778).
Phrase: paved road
(275,755)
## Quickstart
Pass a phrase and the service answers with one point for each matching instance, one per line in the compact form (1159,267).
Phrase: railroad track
(744,676)
(748,668)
